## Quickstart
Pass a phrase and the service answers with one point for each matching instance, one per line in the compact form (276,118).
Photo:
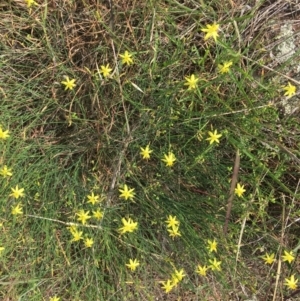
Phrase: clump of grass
(119,129)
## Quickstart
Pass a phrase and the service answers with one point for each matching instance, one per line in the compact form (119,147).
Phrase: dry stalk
(273,70)
(232,187)
(62,222)
(239,244)
(297,247)
(280,251)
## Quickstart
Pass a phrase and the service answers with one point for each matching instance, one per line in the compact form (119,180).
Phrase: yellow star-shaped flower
(16,192)
(174,231)
(169,159)
(145,152)
(30,3)
(93,199)
(4,134)
(290,90)
(77,235)
(212,245)
(269,259)
(172,221)
(69,83)
(225,67)
(5,172)
(177,276)
(239,190)
(105,70)
(83,216)
(191,82)
(17,210)
(201,270)
(288,256)
(211,31)
(133,264)
(128,226)
(127,193)
(215,265)
(214,137)
(55,298)
(88,242)
(291,283)
(98,214)
(126,58)
(167,286)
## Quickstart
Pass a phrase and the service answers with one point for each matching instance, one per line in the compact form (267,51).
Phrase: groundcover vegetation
(145,151)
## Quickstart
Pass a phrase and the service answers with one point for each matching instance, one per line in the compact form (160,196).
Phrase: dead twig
(231,193)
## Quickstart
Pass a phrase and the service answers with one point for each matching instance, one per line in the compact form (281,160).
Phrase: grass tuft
(78,120)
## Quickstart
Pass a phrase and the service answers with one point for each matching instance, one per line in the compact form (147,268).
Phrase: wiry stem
(231,193)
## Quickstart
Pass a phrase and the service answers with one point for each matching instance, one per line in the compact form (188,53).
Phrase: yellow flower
(191,82)
(5,172)
(167,285)
(127,193)
(174,231)
(77,235)
(177,276)
(269,259)
(211,31)
(30,2)
(224,68)
(54,298)
(201,270)
(83,216)
(1,249)
(291,283)
(128,226)
(289,257)
(16,192)
(69,83)
(88,242)
(17,210)
(133,264)
(172,221)
(126,58)
(169,159)
(215,265)
(105,70)
(97,214)
(93,199)
(145,152)
(212,245)
(214,137)
(4,134)
(239,190)
(290,90)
